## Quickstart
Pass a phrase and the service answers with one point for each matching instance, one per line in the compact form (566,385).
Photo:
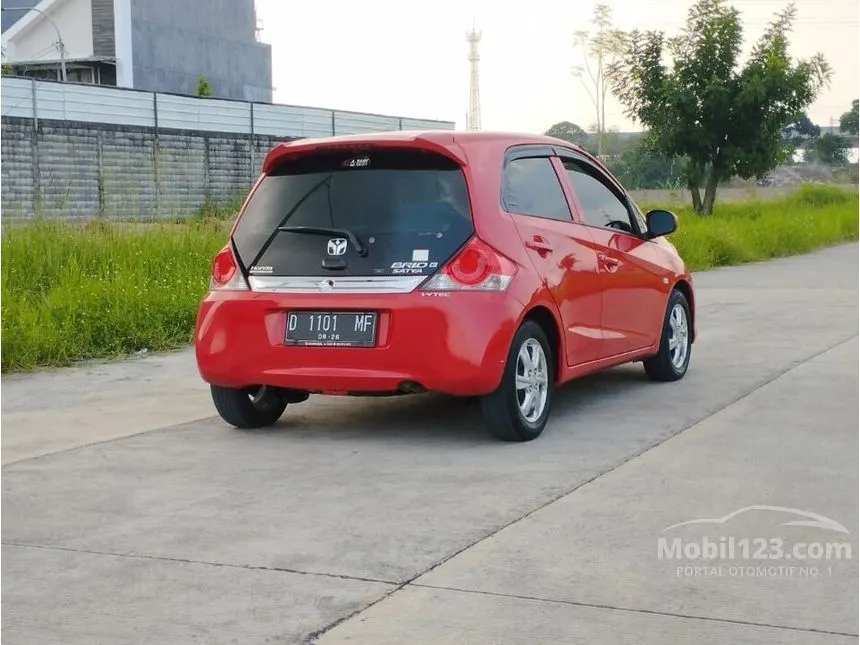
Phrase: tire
(503,409)
(250,407)
(667,365)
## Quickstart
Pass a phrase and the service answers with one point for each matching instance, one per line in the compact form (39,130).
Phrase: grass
(101,290)
(809,218)
(72,292)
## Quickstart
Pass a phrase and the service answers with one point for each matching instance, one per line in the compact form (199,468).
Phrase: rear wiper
(316,230)
(325,180)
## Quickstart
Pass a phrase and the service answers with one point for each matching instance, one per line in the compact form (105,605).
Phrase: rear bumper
(456,343)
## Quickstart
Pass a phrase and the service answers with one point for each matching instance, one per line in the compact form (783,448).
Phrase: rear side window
(409,209)
(531,187)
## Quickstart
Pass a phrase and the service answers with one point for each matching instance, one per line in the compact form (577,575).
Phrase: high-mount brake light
(226,275)
(477,267)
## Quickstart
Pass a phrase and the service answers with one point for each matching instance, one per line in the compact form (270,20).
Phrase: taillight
(225,272)
(477,267)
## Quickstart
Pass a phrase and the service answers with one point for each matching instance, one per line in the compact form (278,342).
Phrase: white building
(156,45)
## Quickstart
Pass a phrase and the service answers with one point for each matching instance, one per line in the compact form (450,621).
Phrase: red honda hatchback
(475,264)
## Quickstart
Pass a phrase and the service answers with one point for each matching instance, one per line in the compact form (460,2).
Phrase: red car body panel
(456,344)
(457,341)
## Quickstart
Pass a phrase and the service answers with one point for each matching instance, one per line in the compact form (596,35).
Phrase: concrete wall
(174,42)
(76,150)
(68,169)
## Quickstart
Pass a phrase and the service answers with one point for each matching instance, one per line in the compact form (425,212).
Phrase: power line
(37,57)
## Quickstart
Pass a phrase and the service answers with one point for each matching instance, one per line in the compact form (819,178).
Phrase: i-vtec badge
(412,268)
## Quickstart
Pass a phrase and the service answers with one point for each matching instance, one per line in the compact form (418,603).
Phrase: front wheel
(254,407)
(519,408)
(673,358)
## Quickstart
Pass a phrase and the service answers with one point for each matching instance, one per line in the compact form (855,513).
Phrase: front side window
(600,205)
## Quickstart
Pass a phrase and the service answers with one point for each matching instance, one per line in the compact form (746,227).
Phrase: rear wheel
(672,360)
(253,407)
(519,408)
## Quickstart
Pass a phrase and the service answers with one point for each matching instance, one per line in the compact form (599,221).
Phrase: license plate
(331,328)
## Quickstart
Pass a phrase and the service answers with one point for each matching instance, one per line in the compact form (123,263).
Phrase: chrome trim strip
(335,284)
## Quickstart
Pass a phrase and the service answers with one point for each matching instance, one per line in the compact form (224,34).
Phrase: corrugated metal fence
(32,99)
(72,151)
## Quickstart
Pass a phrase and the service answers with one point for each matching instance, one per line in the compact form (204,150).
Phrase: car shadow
(434,417)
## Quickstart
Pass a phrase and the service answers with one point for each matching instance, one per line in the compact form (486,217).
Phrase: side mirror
(660,223)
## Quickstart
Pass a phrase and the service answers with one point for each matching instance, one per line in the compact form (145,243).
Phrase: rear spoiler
(441,143)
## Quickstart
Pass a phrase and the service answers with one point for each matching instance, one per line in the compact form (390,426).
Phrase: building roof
(52,62)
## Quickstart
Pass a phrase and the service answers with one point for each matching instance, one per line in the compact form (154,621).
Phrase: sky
(411,58)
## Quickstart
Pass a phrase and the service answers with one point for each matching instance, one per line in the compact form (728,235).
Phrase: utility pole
(60,44)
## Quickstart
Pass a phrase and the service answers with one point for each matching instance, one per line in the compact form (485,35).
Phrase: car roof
(452,143)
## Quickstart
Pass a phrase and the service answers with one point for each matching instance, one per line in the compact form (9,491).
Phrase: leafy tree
(727,120)
(848,122)
(603,47)
(829,149)
(615,143)
(203,87)
(567,131)
(640,169)
(800,130)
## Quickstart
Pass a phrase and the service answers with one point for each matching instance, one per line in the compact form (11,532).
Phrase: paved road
(399,521)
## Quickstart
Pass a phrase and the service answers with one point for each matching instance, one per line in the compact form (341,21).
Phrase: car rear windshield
(408,209)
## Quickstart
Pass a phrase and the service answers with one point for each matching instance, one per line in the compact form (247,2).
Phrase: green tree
(829,149)
(725,119)
(599,52)
(800,130)
(616,143)
(203,87)
(567,131)
(640,169)
(848,122)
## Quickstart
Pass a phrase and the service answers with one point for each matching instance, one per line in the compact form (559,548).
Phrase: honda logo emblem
(337,246)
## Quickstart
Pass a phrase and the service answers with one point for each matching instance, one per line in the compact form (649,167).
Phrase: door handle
(611,264)
(539,244)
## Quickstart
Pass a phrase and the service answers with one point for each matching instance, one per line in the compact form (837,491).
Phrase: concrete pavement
(392,521)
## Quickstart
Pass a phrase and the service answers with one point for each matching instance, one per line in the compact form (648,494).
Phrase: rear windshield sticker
(357,162)
(420,255)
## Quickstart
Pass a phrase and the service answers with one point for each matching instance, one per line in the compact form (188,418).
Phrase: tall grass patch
(72,292)
(740,232)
